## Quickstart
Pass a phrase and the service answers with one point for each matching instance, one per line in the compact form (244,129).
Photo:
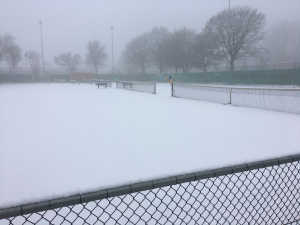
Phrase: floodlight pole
(229,34)
(42,48)
(112,49)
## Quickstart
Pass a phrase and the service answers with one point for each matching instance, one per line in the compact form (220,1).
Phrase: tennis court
(62,139)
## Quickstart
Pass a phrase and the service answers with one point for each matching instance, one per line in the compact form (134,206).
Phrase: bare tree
(239,31)
(96,56)
(180,49)
(13,56)
(68,61)
(159,38)
(137,51)
(6,42)
(34,60)
(207,51)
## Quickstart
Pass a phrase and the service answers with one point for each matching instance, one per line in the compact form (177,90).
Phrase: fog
(67,26)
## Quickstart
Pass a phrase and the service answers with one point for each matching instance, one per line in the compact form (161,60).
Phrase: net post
(154,88)
(172,89)
(230,96)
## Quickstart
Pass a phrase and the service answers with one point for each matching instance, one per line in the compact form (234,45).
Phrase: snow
(58,140)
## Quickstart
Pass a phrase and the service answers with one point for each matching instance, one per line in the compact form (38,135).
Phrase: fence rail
(264,192)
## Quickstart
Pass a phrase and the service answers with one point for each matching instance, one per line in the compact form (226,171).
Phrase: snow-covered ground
(57,140)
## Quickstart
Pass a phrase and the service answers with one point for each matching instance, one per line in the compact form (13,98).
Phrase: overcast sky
(68,25)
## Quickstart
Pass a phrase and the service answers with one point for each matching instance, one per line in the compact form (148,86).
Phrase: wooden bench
(127,84)
(101,83)
(75,81)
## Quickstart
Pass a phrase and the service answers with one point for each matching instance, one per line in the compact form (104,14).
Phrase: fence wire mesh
(276,66)
(281,100)
(269,195)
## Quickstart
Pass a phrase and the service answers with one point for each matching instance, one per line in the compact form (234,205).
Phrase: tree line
(12,54)
(233,35)
(96,56)
(229,36)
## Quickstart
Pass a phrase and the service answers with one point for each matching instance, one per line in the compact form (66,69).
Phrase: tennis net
(149,87)
(101,82)
(282,100)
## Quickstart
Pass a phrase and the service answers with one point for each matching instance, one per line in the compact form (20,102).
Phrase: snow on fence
(265,192)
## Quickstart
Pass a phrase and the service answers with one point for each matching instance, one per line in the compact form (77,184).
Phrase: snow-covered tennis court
(57,140)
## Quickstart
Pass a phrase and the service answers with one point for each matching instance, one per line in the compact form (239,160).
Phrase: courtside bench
(75,81)
(125,84)
(99,83)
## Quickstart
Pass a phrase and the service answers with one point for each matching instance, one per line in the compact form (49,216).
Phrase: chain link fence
(269,66)
(274,66)
(266,192)
(58,71)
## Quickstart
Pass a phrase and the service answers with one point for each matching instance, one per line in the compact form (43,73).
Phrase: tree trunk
(231,66)
(160,68)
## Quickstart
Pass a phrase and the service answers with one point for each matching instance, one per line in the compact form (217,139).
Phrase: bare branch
(6,42)
(13,56)
(207,52)
(34,60)
(137,51)
(180,49)
(96,56)
(159,37)
(239,31)
(68,62)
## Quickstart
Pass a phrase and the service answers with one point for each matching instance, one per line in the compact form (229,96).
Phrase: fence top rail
(230,87)
(99,80)
(142,186)
(146,82)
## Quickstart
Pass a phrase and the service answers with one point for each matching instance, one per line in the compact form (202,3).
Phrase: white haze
(69,25)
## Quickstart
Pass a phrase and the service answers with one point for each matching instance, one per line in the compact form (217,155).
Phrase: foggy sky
(68,25)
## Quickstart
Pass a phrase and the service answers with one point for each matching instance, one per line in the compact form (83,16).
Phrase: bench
(99,83)
(127,84)
(75,81)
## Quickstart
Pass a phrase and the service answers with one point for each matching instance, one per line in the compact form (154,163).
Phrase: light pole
(42,47)
(229,34)
(112,49)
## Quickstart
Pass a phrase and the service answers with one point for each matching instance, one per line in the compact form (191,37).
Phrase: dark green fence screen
(255,77)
